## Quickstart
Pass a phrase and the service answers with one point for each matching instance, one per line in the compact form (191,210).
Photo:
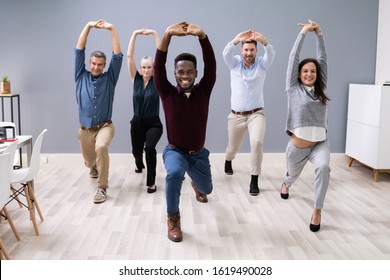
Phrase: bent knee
(150,150)
(101,148)
(324,168)
(175,174)
(256,145)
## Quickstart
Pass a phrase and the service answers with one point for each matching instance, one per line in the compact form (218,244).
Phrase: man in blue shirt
(247,114)
(95,95)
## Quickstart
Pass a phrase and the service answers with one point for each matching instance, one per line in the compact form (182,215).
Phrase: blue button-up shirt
(247,83)
(95,97)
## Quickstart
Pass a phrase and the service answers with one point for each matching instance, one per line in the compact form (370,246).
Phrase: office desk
(24,141)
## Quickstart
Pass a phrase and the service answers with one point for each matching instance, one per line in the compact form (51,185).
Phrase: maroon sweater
(186,118)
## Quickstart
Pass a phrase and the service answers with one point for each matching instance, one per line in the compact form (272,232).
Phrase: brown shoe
(174,230)
(201,197)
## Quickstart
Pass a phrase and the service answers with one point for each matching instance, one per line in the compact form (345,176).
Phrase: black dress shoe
(254,189)
(314,228)
(152,190)
(228,167)
(283,195)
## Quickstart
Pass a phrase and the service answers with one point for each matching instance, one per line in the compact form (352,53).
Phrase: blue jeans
(177,163)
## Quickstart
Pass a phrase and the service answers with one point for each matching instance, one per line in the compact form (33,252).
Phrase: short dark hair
(185,56)
(98,54)
(250,42)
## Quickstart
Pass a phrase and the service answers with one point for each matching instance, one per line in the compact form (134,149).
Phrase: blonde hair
(148,59)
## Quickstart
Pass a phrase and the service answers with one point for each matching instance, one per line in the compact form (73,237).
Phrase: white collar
(309,88)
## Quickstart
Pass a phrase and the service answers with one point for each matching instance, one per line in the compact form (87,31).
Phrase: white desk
(23,141)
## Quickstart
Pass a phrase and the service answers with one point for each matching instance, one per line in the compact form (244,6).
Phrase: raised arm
(130,51)
(195,30)
(80,48)
(177,29)
(130,54)
(228,52)
(116,47)
(242,37)
(269,54)
(99,24)
(82,41)
(313,26)
(155,36)
(321,53)
(209,73)
(294,58)
(260,38)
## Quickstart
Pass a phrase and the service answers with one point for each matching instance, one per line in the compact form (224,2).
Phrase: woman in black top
(146,127)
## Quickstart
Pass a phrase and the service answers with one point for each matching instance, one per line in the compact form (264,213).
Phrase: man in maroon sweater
(186,107)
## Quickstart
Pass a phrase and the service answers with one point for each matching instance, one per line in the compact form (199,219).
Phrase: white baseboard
(75,158)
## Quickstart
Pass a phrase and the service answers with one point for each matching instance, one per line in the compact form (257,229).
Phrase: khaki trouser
(94,148)
(237,127)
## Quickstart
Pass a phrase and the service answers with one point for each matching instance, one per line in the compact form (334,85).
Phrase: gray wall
(36,52)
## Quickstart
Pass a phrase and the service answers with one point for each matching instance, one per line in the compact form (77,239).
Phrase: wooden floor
(131,224)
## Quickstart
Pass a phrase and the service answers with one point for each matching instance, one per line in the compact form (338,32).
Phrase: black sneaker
(228,167)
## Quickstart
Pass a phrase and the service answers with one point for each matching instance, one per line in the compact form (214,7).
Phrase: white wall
(382,72)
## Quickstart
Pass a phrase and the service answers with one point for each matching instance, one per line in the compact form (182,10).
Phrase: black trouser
(145,133)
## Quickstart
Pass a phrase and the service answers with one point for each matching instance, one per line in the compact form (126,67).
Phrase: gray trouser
(296,160)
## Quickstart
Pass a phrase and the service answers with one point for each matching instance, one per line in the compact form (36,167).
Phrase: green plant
(4,78)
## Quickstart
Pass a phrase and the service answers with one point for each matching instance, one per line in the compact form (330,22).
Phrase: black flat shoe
(138,170)
(314,228)
(152,190)
(283,195)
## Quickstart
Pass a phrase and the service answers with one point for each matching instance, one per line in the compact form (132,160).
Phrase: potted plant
(5,85)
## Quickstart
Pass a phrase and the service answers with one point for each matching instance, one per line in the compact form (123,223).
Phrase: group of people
(186,108)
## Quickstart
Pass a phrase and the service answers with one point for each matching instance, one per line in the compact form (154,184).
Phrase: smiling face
(308,74)
(249,52)
(185,74)
(97,65)
(146,67)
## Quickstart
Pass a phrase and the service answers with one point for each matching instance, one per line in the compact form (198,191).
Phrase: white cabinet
(368,127)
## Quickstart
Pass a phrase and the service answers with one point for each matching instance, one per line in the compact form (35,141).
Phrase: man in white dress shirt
(247,74)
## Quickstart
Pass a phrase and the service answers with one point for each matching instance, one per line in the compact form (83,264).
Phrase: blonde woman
(146,127)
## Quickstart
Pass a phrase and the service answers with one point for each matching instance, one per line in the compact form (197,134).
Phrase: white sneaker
(100,196)
(93,173)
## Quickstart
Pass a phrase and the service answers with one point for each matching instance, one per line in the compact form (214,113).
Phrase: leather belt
(191,153)
(96,127)
(247,112)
